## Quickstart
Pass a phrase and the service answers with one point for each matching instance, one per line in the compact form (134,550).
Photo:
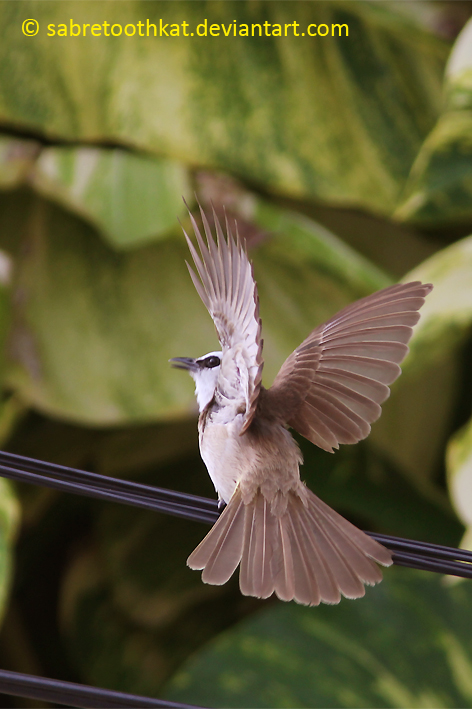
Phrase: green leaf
(16,160)
(304,239)
(406,644)
(138,653)
(365,486)
(339,118)
(417,419)
(131,199)
(5,307)
(439,189)
(94,329)
(9,522)
(447,313)
(131,609)
(419,415)
(459,477)
(15,209)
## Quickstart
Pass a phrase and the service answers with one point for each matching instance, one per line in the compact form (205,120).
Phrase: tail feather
(284,579)
(245,573)
(227,554)
(306,588)
(365,568)
(308,553)
(265,558)
(346,580)
(220,551)
(262,548)
(366,544)
(318,565)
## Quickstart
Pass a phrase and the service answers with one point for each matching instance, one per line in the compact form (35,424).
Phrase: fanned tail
(309,553)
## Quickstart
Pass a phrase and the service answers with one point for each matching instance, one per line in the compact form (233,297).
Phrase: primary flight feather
(285,539)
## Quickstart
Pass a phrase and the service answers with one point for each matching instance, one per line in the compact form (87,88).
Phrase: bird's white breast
(226,454)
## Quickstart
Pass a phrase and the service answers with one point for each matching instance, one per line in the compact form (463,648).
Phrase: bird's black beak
(184,363)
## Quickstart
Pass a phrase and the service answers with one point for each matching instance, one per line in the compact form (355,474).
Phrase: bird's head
(204,371)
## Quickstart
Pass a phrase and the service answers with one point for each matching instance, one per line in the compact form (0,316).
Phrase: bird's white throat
(206,379)
(205,385)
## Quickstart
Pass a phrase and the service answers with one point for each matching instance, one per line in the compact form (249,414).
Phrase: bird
(284,538)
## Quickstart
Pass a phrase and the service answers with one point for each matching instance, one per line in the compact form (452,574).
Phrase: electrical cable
(18,684)
(407,552)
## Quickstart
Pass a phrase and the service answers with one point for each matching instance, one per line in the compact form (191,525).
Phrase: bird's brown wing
(331,387)
(228,290)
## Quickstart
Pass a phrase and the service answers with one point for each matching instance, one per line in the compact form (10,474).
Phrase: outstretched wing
(331,387)
(229,292)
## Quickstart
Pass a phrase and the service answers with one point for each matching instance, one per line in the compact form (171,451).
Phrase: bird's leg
(221,504)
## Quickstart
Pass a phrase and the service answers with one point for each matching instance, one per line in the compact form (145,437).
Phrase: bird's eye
(211,361)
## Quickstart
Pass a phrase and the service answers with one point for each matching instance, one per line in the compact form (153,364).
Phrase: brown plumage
(329,389)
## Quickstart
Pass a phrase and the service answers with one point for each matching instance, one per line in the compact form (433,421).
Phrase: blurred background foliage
(347,162)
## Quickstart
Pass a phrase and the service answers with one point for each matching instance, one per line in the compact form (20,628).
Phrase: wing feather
(360,404)
(368,368)
(331,387)
(333,407)
(226,285)
(370,389)
(315,429)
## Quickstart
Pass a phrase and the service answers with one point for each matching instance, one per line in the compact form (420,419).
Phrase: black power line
(407,552)
(77,695)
